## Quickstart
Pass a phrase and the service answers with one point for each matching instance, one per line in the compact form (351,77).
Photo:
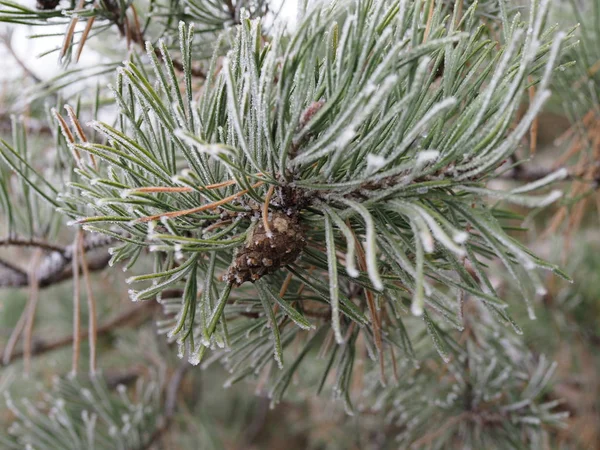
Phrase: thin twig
(285,285)
(128,317)
(76,304)
(34,295)
(138,38)
(7,354)
(136,21)
(230,8)
(19,242)
(185,212)
(152,189)
(429,21)
(56,267)
(18,273)
(92,332)
(533,131)
(265,211)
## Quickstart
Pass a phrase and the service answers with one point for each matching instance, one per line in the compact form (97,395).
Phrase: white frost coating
(344,139)
(416,308)
(374,162)
(210,149)
(541,291)
(177,179)
(370,245)
(352,271)
(427,240)
(558,175)
(529,201)
(126,193)
(334,292)
(461,237)
(351,248)
(551,198)
(431,114)
(438,232)
(427,156)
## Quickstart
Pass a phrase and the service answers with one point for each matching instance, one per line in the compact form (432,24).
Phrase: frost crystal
(374,162)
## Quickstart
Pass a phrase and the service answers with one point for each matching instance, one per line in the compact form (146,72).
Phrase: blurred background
(567,328)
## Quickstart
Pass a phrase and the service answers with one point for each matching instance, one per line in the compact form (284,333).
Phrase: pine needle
(208,206)
(84,36)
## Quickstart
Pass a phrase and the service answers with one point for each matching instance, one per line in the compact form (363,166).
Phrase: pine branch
(41,244)
(55,267)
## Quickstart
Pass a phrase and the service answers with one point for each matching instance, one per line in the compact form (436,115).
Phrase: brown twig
(76,304)
(265,211)
(132,316)
(7,353)
(138,38)
(19,242)
(533,131)
(92,324)
(429,21)
(34,296)
(197,209)
(56,267)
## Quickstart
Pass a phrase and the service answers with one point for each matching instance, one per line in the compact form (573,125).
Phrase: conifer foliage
(305,203)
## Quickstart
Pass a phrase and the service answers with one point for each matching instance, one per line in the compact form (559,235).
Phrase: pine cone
(263,254)
(47,5)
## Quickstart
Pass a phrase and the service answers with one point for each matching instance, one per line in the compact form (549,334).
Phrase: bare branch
(132,317)
(56,267)
(20,242)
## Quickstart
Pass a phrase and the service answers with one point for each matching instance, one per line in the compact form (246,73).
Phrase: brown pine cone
(47,5)
(263,254)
